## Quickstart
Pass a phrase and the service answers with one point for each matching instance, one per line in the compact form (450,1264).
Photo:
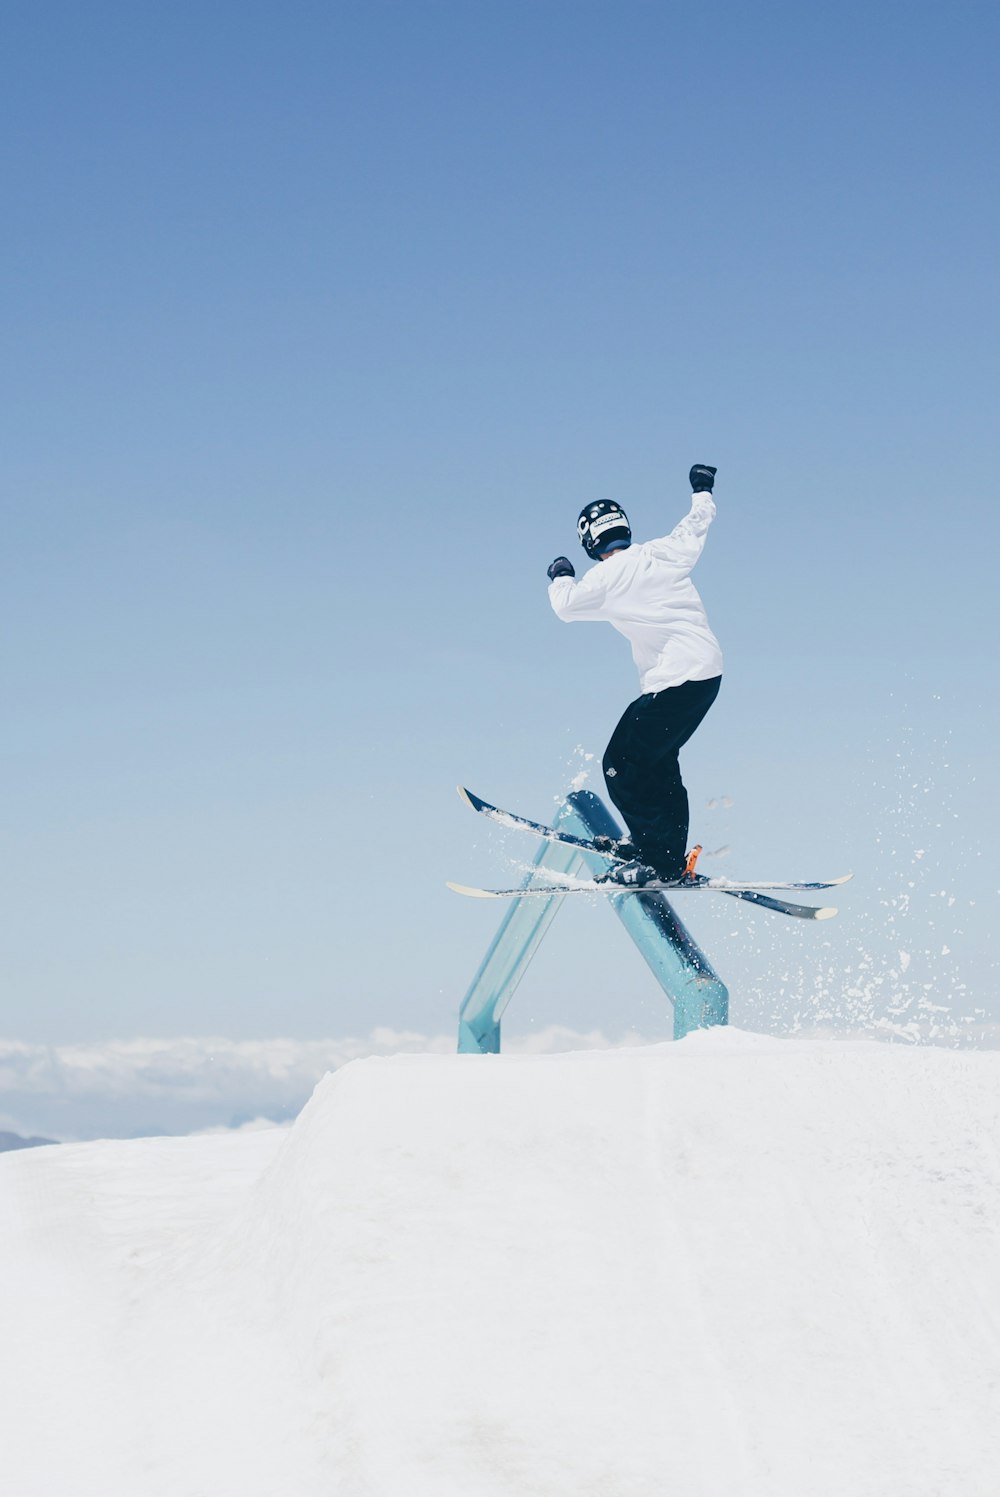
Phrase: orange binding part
(692,859)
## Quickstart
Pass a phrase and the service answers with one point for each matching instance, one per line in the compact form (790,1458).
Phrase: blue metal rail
(699,997)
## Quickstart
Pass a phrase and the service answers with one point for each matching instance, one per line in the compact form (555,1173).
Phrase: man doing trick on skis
(645,591)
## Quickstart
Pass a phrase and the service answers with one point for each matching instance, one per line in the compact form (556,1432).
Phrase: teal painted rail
(699,997)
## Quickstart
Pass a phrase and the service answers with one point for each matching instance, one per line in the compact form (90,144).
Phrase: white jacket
(646,592)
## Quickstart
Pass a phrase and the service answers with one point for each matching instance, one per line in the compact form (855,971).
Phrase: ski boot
(615,847)
(635,874)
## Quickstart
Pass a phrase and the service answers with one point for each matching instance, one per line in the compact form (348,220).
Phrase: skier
(646,593)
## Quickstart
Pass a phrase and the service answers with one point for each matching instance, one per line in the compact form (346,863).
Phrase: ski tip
(470,800)
(827,911)
(844,878)
(472,893)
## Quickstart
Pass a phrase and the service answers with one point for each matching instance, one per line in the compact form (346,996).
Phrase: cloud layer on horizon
(124,1088)
(121,1088)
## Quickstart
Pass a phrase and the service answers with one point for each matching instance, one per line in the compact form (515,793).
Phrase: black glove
(561,567)
(702,478)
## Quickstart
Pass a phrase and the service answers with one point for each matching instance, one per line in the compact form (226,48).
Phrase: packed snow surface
(728,1266)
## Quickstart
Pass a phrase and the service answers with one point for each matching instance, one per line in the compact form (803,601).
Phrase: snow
(729,1266)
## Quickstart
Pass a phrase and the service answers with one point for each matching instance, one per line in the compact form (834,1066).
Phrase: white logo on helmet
(616,521)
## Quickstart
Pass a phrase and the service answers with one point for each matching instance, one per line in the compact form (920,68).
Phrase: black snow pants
(643,774)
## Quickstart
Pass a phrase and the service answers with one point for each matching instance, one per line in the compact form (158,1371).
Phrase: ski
(551,834)
(752,893)
(517,823)
(735,891)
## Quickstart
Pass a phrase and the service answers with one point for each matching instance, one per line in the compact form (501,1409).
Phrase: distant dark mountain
(15,1141)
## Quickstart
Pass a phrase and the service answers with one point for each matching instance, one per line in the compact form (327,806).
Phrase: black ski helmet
(602,524)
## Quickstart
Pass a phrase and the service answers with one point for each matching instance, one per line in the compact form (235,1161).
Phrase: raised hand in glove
(561,567)
(702,478)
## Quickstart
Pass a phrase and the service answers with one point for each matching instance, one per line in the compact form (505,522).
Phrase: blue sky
(320,324)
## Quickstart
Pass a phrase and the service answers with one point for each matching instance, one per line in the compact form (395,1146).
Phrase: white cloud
(119,1088)
(124,1087)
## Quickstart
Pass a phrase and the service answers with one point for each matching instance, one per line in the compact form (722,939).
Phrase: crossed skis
(752,892)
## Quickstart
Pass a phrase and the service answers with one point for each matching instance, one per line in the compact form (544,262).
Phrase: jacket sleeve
(686,541)
(585,599)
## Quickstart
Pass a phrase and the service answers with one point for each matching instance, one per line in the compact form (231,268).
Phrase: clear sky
(320,323)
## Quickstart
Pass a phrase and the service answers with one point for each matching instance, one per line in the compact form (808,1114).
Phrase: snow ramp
(730,1265)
